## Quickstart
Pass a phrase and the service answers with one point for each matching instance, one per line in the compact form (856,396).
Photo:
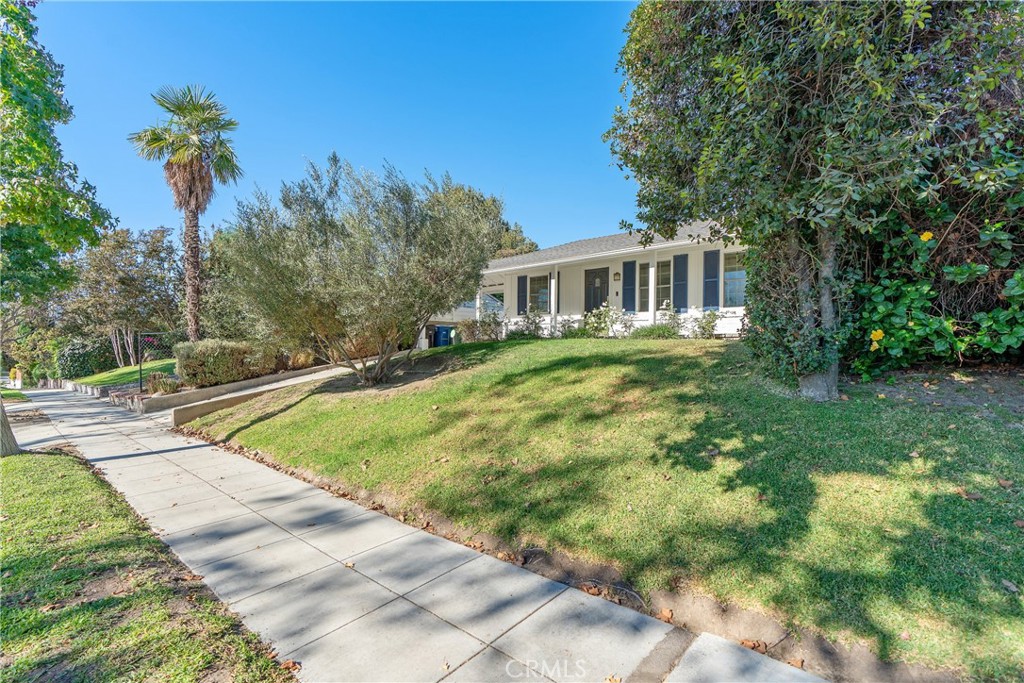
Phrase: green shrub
(529,326)
(568,329)
(211,362)
(83,357)
(657,331)
(704,326)
(487,328)
(161,382)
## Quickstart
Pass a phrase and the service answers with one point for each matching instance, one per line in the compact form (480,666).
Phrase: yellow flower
(910,323)
(874,346)
(877,335)
(927,236)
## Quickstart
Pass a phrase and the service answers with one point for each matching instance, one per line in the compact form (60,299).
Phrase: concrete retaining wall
(183,414)
(156,403)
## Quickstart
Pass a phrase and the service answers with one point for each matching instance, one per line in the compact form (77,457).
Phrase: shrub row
(211,362)
(81,357)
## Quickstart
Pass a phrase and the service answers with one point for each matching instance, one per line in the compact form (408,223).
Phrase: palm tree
(195,151)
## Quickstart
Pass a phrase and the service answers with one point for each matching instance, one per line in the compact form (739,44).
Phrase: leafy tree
(354,264)
(126,284)
(196,151)
(46,211)
(513,241)
(815,131)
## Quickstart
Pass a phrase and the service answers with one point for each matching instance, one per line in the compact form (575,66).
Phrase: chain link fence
(155,346)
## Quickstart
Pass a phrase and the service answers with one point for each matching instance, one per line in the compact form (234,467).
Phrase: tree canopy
(46,210)
(818,133)
(354,264)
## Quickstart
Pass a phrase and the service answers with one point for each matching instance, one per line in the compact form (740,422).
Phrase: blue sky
(511,98)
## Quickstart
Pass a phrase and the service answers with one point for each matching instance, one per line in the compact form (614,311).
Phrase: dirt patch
(987,390)
(104,586)
(417,375)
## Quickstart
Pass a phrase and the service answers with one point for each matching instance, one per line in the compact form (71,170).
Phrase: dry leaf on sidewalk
(665,615)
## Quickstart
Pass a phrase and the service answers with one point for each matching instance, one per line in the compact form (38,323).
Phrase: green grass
(128,374)
(89,594)
(676,462)
(12,395)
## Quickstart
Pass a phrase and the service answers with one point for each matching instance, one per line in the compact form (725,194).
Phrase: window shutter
(680,270)
(629,286)
(711,268)
(521,309)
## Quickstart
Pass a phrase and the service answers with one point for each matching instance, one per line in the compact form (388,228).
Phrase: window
(735,279)
(644,288)
(664,280)
(539,302)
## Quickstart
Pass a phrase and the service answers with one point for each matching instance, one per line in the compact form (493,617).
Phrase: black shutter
(629,286)
(521,310)
(680,270)
(711,261)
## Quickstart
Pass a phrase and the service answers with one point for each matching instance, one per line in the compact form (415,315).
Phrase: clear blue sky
(510,98)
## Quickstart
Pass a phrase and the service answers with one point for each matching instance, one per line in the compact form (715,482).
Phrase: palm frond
(193,144)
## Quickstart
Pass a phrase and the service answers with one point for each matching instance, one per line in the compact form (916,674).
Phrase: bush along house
(687,276)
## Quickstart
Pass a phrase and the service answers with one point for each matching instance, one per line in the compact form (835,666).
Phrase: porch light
(617,276)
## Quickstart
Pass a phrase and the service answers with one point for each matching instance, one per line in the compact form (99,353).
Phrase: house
(564,282)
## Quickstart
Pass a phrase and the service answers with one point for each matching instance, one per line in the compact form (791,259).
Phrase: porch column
(479,302)
(652,288)
(553,302)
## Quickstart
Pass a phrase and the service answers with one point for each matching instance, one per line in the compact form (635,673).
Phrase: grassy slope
(128,374)
(90,594)
(672,459)
(12,395)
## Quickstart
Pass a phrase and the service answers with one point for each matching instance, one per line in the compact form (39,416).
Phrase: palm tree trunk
(192,283)
(8,444)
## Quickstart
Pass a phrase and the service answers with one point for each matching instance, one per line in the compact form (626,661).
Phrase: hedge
(83,357)
(211,362)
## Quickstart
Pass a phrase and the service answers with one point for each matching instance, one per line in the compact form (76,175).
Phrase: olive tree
(355,264)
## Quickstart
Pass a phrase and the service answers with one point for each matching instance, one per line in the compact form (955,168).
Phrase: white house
(567,281)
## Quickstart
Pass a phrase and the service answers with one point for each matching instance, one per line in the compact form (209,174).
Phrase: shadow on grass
(949,565)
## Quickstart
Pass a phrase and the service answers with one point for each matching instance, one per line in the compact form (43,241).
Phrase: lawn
(89,594)
(128,374)
(12,395)
(678,463)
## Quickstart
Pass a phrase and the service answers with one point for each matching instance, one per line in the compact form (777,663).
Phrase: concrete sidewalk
(354,595)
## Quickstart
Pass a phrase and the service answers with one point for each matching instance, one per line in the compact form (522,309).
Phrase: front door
(595,288)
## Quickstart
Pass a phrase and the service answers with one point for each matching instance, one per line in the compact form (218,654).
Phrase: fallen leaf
(612,678)
(290,665)
(364,464)
(761,497)
(1005,483)
(51,607)
(881,396)
(629,507)
(445,666)
(905,636)
(797,662)
(844,397)
(665,615)
(590,589)
(1010,586)
(755,645)
(967,495)
(914,454)
(1019,523)
(191,577)
(349,565)
(433,407)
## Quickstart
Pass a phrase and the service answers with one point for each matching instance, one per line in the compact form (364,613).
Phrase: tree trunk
(8,444)
(192,282)
(824,385)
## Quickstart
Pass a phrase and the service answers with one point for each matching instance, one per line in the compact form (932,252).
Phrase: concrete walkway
(354,595)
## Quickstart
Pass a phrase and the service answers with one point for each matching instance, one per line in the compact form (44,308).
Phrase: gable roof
(596,246)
